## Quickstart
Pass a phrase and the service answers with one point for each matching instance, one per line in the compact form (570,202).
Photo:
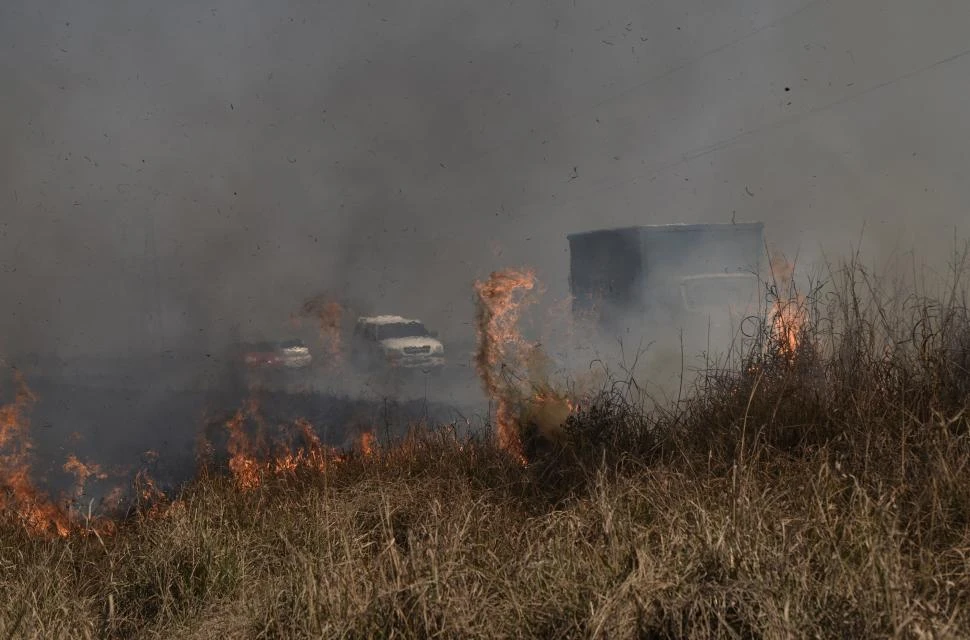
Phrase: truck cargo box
(665,273)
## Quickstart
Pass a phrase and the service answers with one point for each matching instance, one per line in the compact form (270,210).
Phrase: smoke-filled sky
(171,169)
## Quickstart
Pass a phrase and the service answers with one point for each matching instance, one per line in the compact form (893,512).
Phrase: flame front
(18,494)
(251,462)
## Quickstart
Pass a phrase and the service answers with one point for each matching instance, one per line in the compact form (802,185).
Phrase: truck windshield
(401,330)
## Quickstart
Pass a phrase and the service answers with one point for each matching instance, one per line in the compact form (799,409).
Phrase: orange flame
(500,300)
(312,456)
(366,443)
(242,461)
(787,327)
(83,472)
(548,411)
(503,353)
(788,312)
(250,464)
(18,494)
(329,314)
(151,496)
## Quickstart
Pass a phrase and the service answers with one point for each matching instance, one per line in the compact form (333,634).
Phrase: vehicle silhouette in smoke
(396,343)
(285,354)
(694,283)
(282,364)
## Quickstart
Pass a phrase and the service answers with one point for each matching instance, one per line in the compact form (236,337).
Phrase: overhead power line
(730,141)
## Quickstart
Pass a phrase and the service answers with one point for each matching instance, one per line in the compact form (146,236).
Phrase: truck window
(401,330)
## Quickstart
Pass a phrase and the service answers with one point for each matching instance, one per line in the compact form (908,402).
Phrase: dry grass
(826,497)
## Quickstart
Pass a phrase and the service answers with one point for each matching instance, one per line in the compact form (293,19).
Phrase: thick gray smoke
(170,171)
(176,174)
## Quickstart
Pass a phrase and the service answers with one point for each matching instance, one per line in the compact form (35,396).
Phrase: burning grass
(822,491)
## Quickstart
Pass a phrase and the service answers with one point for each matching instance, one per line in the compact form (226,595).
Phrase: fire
(40,515)
(500,302)
(250,463)
(311,456)
(329,314)
(788,309)
(787,327)
(83,472)
(548,411)
(514,371)
(18,494)
(366,443)
(242,462)
(151,496)
(501,299)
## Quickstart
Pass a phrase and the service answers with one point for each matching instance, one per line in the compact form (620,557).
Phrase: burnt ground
(149,417)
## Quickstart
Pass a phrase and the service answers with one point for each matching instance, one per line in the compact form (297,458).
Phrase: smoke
(170,172)
(175,175)
(174,172)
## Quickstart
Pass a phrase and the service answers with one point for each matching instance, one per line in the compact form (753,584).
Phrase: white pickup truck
(397,342)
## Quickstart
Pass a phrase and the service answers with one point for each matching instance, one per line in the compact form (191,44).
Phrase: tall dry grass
(824,496)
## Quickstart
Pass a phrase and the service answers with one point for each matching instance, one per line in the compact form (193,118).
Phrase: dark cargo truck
(699,278)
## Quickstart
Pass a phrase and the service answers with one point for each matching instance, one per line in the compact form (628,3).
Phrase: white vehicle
(288,354)
(397,342)
(296,355)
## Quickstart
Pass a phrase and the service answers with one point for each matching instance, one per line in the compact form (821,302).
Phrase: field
(815,486)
